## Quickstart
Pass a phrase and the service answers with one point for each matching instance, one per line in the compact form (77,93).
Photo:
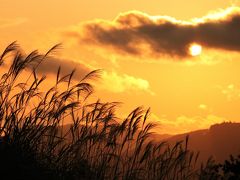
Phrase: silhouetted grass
(35,144)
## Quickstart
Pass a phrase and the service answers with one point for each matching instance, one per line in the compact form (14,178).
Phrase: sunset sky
(143,48)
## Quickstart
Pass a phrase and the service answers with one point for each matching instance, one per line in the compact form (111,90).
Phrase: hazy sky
(143,48)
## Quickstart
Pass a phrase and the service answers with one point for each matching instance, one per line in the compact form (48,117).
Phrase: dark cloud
(51,65)
(224,34)
(137,33)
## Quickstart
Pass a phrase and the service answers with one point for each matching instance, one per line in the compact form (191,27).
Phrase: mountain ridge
(219,141)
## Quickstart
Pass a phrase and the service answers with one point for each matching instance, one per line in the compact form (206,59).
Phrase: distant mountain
(219,141)
(160,137)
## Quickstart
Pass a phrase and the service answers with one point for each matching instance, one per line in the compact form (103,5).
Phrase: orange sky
(185,93)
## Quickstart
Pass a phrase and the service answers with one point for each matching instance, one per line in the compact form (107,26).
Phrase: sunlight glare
(195,49)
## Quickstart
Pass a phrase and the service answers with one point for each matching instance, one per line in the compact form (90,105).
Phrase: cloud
(110,81)
(203,106)
(5,22)
(183,124)
(231,91)
(116,83)
(51,65)
(139,34)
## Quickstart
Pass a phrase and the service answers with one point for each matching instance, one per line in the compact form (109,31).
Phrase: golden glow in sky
(141,47)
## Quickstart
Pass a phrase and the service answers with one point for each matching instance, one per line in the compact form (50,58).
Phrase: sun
(195,49)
